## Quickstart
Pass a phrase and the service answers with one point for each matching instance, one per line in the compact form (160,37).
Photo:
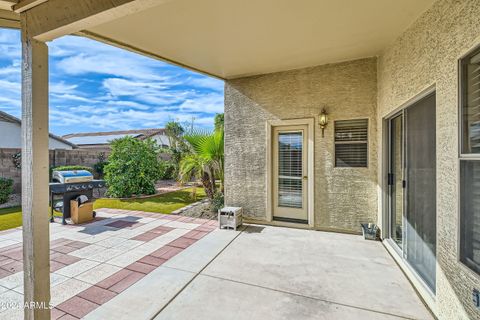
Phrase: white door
(290,185)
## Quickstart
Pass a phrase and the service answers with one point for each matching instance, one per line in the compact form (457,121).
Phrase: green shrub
(6,189)
(99,167)
(133,167)
(167,170)
(217,202)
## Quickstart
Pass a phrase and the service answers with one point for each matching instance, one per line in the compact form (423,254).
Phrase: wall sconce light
(323,121)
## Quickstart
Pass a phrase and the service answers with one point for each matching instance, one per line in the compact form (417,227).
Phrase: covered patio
(284,63)
(131,264)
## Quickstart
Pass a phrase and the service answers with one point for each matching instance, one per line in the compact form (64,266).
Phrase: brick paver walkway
(92,263)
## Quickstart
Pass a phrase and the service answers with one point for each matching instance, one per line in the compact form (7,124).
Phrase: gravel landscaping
(199,209)
(13,201)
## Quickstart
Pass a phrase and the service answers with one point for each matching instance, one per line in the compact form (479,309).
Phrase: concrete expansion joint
(197,274)
(307,297)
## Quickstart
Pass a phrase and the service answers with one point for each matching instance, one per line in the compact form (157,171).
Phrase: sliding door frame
(397,253)
(389,201)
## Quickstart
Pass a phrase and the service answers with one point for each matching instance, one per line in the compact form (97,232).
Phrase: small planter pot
(370,231)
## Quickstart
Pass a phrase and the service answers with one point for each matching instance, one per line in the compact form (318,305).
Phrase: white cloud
(62,88)
(94,86)
(206,82)
(209,103)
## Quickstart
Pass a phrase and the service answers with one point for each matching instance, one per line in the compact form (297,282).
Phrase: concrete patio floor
(260,272)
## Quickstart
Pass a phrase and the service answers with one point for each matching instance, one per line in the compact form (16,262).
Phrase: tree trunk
(212,181)
(207,184)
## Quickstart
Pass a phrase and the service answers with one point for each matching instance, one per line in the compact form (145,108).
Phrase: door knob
(305,177)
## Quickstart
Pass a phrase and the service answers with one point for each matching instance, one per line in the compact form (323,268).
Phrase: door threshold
(278,223)
(290,220)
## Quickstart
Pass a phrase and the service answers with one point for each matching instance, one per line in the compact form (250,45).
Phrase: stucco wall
(11,137)
(427,54)
(344,197)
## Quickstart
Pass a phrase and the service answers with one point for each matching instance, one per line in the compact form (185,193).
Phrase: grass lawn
(10,218)
(163,203)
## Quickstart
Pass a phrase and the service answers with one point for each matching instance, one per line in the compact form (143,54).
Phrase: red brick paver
(141,267)
(77,307)
(97,295)
(195,234)
(151,260)
(6,261)
(13,267)
(161,230)
(182,242)
(54,266)
(64,258)
(68,317)
(113,279)
(4,273)
(56,314)
(16,254)
(78,244)
(166,252)
(64,249)
(127,281)
(146,236)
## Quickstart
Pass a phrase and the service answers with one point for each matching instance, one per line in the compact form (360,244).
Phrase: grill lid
(72,176)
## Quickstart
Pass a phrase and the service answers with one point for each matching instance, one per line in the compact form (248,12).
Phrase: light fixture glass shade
(323,119)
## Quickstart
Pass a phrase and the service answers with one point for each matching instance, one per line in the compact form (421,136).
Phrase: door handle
(305,177)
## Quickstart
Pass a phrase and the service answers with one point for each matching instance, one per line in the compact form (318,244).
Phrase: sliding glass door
(412,186)
(396,179)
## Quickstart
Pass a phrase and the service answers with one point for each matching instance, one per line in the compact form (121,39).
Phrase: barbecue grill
(70,185)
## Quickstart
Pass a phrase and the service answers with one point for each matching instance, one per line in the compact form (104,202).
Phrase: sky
(97,87)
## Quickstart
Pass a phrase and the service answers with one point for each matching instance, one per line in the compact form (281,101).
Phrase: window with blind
(470,161)
(351,143)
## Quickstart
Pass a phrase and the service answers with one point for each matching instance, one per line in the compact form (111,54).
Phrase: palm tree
(206,162)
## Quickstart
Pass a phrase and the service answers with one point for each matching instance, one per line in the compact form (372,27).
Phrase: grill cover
(72,176)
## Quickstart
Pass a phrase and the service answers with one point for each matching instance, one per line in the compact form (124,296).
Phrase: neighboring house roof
(102,138)
(5,117)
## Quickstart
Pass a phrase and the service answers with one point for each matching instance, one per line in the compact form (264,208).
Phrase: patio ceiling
(231,38)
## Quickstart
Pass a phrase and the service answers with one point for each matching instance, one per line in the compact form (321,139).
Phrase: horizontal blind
(470,168)
(351,130)
(290,169)
(351,143)
(472,104)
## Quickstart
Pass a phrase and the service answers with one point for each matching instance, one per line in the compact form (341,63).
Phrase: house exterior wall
(11,137)
(161,139)
(427,54)
(344,197)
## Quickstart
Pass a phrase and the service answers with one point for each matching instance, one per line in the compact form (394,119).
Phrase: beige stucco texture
(427,55)
(343,197)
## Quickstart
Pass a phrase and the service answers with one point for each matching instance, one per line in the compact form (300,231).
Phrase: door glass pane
(290,171)
(470,214)
(396,187)
(420,214)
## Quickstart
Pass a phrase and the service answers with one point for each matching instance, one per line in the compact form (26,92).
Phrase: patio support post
(36,245)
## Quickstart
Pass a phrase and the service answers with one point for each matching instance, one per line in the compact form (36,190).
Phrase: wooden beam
(9,19)
(35,162)
(56,18)
(7,4)
(25,5)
